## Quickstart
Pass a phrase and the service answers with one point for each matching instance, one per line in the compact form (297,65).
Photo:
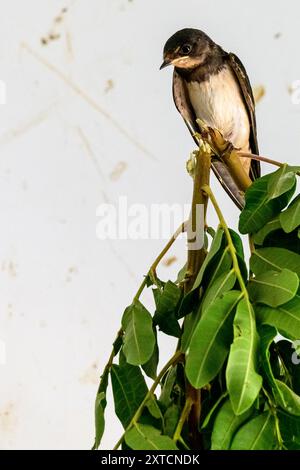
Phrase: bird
(212,85)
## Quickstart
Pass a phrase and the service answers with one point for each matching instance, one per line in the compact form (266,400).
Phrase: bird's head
(186,49)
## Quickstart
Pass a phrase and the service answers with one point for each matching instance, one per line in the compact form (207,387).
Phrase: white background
(89,118)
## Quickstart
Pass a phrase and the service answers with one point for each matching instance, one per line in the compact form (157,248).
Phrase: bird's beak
(165,63)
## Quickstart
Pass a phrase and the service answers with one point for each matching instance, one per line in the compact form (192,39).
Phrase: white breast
(218,102)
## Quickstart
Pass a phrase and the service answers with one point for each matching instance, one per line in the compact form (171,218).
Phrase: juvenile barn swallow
(212,85)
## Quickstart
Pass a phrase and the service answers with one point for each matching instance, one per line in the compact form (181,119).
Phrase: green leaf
(270,227)
(212,410)
(274,259)
(267,334)
(171,418)
(290,218)
(150,367)
(290,430)
(222,284)
(122,359)
(257,434)
(222,266)
(153,408)
(274,288)
(294,168)
(243,382)
(190,322)
(188,301)
(118,343)
(169,297)
(156,294)
(181,274)
(291,401)
(258,208)
(211,231)
(165,398)
(214,249)
(225,426)
(280,239)
(153,280)
(211,340)
(238,244)
(99,418)
(100,405)
(129,390)
(281,181)
(286,318)
(166,310)
(143,437)
(139,339)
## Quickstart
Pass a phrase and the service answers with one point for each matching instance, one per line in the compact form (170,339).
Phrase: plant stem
(259,158)
(152,270)
(113,353)
(173,361)
(201,177)
(184,415)
(236,170)
(141,288)
(195,260)
(231,246)
(180,230)
(195,414)
(251,243)
(274,413)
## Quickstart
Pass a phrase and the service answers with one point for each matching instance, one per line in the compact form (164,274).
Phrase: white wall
(63,132)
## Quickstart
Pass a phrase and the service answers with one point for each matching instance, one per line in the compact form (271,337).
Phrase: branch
(171,363)
(273,410)
(152,270)
(184,415)
(227,153)
(231,246)
(201,178)
(112,355)
(192,409)
(259,158)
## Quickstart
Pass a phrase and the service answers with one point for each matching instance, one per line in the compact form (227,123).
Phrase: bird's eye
(186,49)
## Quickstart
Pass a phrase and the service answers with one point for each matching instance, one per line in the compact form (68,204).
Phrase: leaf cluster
(237,333)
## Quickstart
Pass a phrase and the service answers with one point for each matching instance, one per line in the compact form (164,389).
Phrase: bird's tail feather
(228,183)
